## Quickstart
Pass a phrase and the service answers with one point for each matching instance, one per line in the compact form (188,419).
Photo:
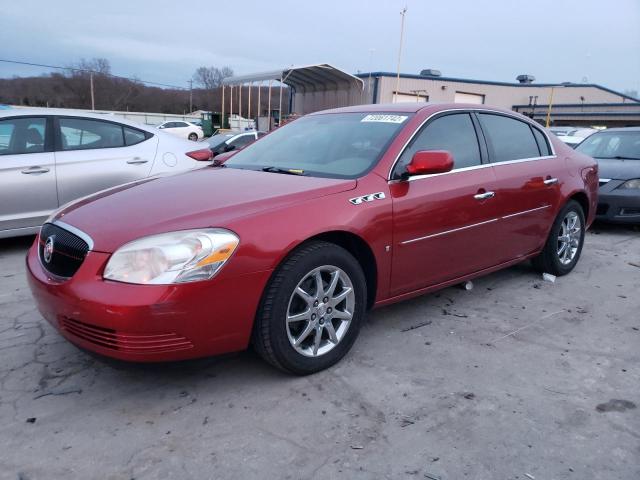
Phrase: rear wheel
(564,245)
(193,137)
(312,309)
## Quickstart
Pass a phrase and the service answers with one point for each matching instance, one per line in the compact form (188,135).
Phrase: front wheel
(564,245)
(312,309)
(193,137)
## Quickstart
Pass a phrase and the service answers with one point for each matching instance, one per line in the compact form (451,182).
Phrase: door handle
(551,181)
(136,161)
(484,196)
(31,170)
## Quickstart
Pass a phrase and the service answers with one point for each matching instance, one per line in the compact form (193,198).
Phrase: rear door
(93,154)
(444,224)
(528,178)
(27,172)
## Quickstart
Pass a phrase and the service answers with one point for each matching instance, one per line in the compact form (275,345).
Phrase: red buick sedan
(289,242)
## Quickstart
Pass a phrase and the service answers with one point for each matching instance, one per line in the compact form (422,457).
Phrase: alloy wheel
(320,311)
(569,237)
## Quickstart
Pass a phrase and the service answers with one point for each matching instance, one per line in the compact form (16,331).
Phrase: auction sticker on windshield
(385,118)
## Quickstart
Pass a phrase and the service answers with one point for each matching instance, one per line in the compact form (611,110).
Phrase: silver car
(49,157)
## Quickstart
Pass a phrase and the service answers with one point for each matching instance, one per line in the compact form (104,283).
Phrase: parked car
(183,129)
(227,142)
(572,136)
(295,237)
(617,151)
(49,157)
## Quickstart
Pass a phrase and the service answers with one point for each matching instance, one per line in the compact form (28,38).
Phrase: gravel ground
(515,379)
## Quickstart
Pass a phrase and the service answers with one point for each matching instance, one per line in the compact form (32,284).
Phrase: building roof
(491,82)
(311,77)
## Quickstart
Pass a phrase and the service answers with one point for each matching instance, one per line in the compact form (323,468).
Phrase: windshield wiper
(286,171)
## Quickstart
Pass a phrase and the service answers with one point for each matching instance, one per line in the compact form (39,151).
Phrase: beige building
(319,87)
(573,103)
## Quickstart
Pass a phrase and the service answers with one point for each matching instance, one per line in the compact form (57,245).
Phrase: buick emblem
(47,253)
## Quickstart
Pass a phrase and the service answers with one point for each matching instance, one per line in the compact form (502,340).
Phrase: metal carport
(312,88)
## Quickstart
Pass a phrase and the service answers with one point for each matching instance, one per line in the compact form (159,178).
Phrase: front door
(444,224)
(27,172)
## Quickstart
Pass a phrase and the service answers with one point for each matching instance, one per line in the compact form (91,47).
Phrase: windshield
(219,139)
(340,145)
(623,145)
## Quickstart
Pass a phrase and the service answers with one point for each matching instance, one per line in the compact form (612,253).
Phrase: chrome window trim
(470,109)
(475,167)
(76,231)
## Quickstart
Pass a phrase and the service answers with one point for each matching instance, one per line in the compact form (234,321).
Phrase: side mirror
(160,126)
(430,162)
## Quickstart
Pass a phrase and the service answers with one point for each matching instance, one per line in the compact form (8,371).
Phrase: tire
(553,258)
(282,342)
(193,137)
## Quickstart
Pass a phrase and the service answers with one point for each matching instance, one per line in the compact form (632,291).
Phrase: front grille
(124,342)
(65,253)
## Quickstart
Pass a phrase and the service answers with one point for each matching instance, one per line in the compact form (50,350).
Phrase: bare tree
(211,77)
(99,66)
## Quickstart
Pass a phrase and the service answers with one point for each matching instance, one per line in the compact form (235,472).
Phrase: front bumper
(618,205)
(147,323)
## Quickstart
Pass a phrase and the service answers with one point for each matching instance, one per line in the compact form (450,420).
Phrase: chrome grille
(65,253)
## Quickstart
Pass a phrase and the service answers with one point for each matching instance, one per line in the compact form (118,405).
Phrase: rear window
(84,133)
(508,138)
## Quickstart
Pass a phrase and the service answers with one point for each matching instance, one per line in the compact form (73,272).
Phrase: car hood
(209,197)
(618,169)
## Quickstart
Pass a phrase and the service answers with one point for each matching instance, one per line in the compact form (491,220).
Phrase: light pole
(548,121)
(402,14)
(371,50)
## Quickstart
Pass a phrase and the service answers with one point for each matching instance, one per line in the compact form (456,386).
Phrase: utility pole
(402,14)
(93,100)
(371,50)
(191,95)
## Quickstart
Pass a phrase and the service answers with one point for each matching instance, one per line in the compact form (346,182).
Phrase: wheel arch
(357,247)
(583,200)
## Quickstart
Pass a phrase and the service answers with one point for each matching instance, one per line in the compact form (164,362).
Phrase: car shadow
(16,244)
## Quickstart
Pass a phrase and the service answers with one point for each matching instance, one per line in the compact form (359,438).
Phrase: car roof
(70,112)
(411,107)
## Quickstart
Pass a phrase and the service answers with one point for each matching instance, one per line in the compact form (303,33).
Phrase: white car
(183,129)
(49,157)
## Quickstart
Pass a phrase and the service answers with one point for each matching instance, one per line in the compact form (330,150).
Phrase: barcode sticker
(385,118)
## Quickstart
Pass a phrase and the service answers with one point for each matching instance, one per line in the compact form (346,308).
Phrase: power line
(75,69)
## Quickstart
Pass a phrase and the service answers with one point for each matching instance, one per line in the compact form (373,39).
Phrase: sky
(594,41)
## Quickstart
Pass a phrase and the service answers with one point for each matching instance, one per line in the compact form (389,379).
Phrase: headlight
(175,257)
(635,183)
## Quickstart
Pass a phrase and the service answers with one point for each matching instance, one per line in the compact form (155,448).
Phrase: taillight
(203,155)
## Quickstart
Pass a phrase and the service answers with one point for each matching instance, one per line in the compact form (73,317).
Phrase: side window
(22,135)
(133,136)
(242,141)
(508,138)
(85,133)
(180,124)
(543,145)
(454,133)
